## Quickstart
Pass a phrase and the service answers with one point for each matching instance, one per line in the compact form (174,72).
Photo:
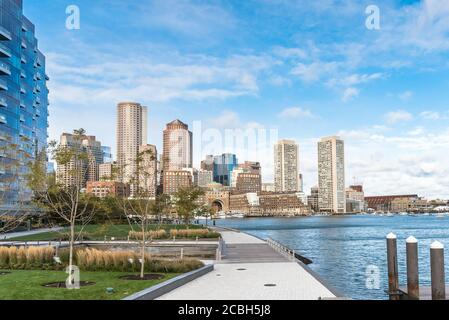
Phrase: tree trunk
(142,265)
(71,243)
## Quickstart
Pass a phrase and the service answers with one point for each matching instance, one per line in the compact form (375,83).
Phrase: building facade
(248,183)
(208,163)
(331,175)
(175,180)
(104,189)
(312,200)
(108,171)
(223,166)
(131,134)
(84,165)
(178,146)
(286,166)
(23,101)
(205,178)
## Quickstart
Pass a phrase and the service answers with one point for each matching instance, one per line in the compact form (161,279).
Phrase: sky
(246,73)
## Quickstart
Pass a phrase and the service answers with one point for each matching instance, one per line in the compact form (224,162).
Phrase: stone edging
(170,285)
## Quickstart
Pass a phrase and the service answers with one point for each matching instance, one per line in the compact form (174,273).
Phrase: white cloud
(349,94)
(314,71)
(398,116)
(434,115)
(295,113)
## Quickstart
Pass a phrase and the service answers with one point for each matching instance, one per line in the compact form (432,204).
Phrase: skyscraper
(148,171)
(178,146)
(79,170)
(131,134)
(331,175)
(286,166)
(23,100)
(223,166)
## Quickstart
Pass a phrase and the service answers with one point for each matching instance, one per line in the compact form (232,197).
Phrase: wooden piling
(412,268)
(437,271)
(392,260)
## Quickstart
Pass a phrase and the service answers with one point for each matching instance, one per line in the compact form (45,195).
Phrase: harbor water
(349,252)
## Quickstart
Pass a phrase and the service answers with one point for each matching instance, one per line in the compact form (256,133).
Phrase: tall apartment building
(223,166)
(286,166)
(80,169)
(148,171)
(23,101)
(312,200)
(177,146)
(251,167)
(331,175)
(108,171)
(131,134)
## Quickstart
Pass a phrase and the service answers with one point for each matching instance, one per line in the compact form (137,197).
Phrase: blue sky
(304,68)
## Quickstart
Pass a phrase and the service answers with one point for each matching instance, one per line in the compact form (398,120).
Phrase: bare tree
(65,198)
(141,207)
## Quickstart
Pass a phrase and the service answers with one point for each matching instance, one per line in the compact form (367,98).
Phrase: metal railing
(285,251)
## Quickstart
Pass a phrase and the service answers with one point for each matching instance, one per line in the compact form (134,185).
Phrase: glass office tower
(223,166)
(23,102)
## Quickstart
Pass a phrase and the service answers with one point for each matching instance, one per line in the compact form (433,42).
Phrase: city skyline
(327,85)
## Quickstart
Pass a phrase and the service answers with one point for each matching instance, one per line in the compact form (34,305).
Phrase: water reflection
(342,248)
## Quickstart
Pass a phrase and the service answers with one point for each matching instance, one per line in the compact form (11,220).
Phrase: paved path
(26,233)
(252,270)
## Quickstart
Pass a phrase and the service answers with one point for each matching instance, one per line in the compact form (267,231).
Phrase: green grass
(97,232)
(27,285)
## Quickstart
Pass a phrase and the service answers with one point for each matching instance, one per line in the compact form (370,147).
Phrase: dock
(251,269)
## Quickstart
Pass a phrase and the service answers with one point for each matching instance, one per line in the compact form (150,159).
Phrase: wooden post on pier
(437,271)
(412,268)
(392,260)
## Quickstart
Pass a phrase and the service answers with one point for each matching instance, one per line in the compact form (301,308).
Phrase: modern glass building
(23,101)
(223,166)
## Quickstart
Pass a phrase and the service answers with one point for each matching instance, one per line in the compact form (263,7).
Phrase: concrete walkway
(252,270)
(26,233)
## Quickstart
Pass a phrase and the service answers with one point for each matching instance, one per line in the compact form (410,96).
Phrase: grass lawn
(27,285)
(97,232)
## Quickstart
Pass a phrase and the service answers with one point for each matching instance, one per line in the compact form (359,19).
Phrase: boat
(403,213)
(389,214)
(238,216)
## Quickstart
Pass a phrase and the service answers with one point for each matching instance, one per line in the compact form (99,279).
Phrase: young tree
(65,198)
(186,202)
(140,208)
(206,211)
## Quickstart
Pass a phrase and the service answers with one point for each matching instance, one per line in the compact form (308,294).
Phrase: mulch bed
(62,284)
(147,276)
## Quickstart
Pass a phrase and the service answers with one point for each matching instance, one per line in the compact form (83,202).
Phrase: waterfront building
(148,171)
(248,182)
(205,178)
(79,170)
(301,183)
(286,166)
(23,102)
(268,205)
(411,204)
(312,200)
(103,189)
(223,166)
(384,203)
(177,146)
(303,197)
(268,187)
(208,163)
(175,180)
(355,199)
(331,175)
(131,134)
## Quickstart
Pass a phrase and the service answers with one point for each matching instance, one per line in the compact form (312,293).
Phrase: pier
(248,268)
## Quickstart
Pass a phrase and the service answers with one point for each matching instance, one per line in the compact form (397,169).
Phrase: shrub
(25,258)
(193,233)
(156,234)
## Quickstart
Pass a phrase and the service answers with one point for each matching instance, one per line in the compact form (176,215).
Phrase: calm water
(342,248)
